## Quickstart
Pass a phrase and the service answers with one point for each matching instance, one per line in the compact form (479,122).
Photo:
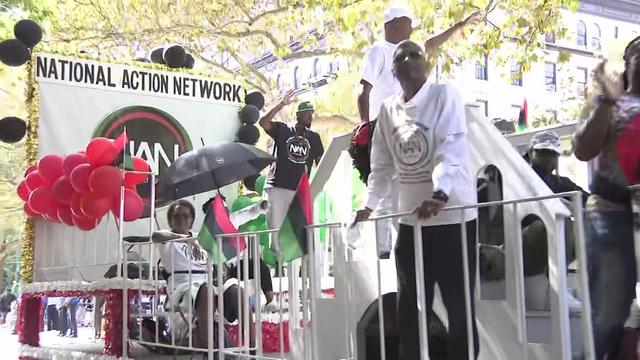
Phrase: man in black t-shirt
(297,147)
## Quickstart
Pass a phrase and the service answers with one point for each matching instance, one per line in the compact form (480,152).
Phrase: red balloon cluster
(80,188)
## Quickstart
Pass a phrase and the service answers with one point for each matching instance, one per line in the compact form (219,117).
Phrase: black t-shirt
(293,153)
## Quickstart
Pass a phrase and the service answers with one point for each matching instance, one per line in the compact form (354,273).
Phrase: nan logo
(411,145)
(298,149)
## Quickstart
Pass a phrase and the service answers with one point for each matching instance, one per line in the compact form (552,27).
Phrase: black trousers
(52,317)
(73,323)
(442,254)
(265,274)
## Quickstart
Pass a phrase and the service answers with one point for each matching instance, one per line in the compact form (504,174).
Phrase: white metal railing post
(123,264)
(219,267)
(383,351)
(257,276)
(209,324)
(312,293)
(519,279)
(470,318)
(578,229)
(420,290)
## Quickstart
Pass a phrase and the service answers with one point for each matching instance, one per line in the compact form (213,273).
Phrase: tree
(226,35)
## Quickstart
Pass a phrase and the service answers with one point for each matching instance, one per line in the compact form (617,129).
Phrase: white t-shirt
(377,71)
(179,256)
(423,142)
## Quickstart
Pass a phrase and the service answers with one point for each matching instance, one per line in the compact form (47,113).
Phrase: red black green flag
(123,158)
(217,222)
(292,236)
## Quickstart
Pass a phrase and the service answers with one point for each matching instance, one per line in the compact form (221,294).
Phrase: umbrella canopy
(210,168)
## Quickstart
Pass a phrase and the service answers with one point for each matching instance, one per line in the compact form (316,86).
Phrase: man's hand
(610,88)
(362,215)
(287,98)
(475,18)
(429,208)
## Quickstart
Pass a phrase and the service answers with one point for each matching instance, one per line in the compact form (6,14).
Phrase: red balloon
(30,169)
(52,216)
(63,190)
(23,190)
(80,178)
(71,161)
(101,151)
(105,181)
(84,223)
(50,167)
(29,211)
(43,201)
(76,204)
(133,205)
(65,215)
(94,206)
(34,180)
(139,164)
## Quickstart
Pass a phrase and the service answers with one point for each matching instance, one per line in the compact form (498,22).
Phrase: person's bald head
(409,63)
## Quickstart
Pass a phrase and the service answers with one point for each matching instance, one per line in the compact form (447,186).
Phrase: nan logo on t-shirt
(411,145)
(298,149)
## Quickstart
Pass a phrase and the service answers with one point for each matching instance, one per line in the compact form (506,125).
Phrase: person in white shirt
(186,260)
(421,138)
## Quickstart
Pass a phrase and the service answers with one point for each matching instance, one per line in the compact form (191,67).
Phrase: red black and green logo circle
(156,137)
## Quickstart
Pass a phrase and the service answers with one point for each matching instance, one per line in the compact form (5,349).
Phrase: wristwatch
(440,195)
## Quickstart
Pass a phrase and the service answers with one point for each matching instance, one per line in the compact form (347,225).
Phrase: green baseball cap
(305,106)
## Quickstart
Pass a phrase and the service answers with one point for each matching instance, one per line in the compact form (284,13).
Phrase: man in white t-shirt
(421,139)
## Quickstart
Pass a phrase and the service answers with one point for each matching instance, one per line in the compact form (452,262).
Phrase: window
(550,38)
(581,79)
(581,34)
(484,106)
(595,37)
(296,78)
(550,76)
(481,69)
(615,32)
(316,67)
(516,75)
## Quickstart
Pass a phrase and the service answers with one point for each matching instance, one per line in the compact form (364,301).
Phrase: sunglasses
(404,57)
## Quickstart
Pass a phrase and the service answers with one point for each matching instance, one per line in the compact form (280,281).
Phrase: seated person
(181,259)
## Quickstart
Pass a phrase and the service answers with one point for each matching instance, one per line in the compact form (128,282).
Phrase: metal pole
(467,287)
(257,275)
(220,301)
(421,291)
(312,294)
(209,324)
(520,296)
(123,262)
(578,228)
(383,351)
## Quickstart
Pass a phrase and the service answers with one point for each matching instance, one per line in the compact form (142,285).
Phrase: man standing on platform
(296,148)
(421,138)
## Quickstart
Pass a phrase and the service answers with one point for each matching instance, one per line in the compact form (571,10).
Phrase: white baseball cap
(395,12)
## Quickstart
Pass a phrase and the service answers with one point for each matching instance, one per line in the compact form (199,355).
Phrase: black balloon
(249,134)
(28,31)
(249,114)
(12,129)
(256,99)
(250,182)
(13,52)
(190,62)
(175,56)
(157,55)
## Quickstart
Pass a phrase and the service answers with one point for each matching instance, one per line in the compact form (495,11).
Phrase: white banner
(165,114)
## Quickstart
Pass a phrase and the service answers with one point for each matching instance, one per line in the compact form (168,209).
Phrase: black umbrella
(210,168)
